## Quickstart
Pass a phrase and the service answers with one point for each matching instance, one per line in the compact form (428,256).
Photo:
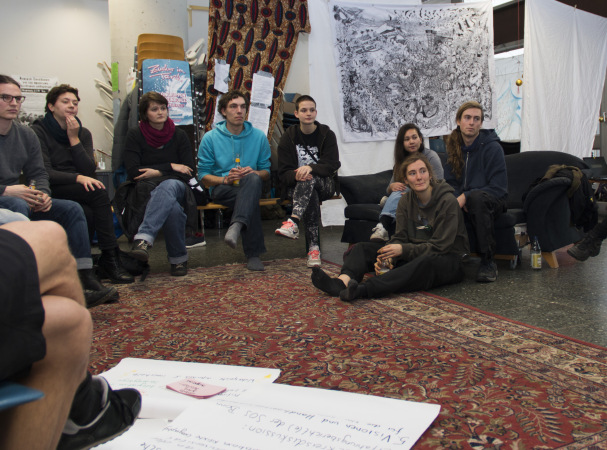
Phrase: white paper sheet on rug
(286,417)
(151,376)
(139,432)
(564,68)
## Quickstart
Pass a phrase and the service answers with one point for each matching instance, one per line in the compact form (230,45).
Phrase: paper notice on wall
(35,89)
(222,76)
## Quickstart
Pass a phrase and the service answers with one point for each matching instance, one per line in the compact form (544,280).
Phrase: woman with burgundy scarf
(156,151)
(67,149)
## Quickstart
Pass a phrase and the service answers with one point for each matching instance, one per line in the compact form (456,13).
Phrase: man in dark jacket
(476,169)
(308,160)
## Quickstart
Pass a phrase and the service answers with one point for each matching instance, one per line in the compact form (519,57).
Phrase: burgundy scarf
(157,138)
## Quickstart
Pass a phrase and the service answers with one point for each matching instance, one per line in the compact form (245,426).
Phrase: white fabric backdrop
(564,71)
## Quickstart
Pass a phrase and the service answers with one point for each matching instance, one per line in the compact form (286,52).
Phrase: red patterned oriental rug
(500,384)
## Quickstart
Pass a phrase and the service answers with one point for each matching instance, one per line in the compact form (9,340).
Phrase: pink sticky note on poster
(195,388)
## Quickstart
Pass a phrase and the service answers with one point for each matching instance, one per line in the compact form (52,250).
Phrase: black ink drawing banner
(410,63)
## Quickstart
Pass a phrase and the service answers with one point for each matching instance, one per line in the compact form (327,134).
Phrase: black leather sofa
(545,210)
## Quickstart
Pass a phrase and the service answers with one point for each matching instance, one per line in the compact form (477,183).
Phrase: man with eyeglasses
(20,155)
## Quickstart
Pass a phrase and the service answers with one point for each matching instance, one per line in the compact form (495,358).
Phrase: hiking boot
(196,240)
(589,246)
(139,250)
(119,409)
(96,293)
(487,272)
(380,234)
(288,229)
(110,267)
(179,270)
(314,258)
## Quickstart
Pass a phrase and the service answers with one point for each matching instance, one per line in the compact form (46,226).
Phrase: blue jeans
(391,204)
(7,216)
(244,200)
(66,213)
(165,210)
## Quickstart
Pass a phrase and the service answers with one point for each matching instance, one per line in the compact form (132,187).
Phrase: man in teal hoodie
(234,160)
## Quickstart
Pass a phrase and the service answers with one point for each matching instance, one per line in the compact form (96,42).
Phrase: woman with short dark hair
(158,152)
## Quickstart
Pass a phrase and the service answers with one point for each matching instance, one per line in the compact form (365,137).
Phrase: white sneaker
(380,234)
(288,229)
(314,257)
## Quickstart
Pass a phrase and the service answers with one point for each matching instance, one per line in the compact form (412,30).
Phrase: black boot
(94,292)
(110,266)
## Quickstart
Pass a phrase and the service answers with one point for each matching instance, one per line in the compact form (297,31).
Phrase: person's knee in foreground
(476,169)
(308,160)
(45,344)
(233,159)
(158,152)
(409,141)
(426,250)
(20,155)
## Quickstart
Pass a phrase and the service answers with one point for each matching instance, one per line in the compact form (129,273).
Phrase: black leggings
(307,196)
(419,274)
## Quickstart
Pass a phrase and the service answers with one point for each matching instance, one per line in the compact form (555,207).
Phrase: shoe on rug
(288,229)
(254,263)
(487,272)
(119,410)
(95,293)
(585,248)
(196,240)
(139,250)
(380,234)
(179,270)
(314,257)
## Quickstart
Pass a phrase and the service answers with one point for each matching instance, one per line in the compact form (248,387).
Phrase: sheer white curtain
(564,72)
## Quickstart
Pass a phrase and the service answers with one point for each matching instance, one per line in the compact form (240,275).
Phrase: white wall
(63,39)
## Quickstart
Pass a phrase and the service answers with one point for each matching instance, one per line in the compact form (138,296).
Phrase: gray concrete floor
(570,300)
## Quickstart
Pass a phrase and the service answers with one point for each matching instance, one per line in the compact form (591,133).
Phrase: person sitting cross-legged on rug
(234,160)
(426,250)
(308,160)
(157,152)
(45,343)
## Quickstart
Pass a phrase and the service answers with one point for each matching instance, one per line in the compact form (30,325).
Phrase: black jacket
(328,162)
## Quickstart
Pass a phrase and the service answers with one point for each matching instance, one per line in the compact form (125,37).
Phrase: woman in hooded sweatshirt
(426,250)
(67,149)
(409,141)
(156,151)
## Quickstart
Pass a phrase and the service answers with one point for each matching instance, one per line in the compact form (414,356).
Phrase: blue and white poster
(171,79)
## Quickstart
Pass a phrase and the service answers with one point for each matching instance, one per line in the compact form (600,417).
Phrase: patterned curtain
(253,35)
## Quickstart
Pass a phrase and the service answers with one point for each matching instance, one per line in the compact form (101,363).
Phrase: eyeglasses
(9,98)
